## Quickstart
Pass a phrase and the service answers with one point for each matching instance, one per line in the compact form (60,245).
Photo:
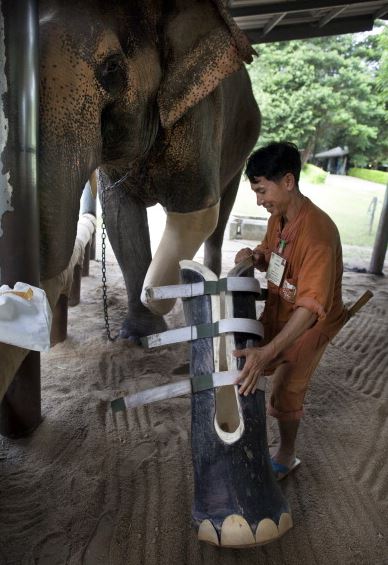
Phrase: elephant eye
(111,74)
(111,66)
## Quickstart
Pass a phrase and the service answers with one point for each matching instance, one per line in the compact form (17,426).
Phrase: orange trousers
(290,379)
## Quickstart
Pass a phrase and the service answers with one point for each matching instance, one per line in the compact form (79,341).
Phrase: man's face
(273,195)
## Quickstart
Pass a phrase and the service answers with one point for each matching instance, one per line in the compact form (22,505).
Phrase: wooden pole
(75,291)
(59,325)
(20,411)
(380,246)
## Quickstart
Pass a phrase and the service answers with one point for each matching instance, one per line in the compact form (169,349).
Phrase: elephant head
(133,87)
(100,70)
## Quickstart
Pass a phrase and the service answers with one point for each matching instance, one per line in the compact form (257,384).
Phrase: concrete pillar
(20,411)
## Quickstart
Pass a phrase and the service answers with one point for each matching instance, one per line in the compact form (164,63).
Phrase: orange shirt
(313,273)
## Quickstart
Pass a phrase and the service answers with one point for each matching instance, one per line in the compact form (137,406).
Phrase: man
(302,256)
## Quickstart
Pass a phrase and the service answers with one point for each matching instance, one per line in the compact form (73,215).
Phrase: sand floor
(86,490)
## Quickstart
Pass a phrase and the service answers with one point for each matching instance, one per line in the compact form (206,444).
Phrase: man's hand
(256,360)
(257,255)
(243,254)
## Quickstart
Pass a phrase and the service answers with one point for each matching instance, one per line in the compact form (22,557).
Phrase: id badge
(275,270)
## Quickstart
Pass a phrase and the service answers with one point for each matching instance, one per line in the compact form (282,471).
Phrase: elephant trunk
(183,235)
(60,187)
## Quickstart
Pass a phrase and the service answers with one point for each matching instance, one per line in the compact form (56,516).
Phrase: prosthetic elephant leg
(238,502)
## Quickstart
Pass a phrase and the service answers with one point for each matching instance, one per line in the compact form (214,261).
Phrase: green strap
(215,287)
(211,287)
(207,330)
(202,382)
(118,405)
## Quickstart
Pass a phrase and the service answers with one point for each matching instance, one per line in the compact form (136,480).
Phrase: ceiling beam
(274,22)
(331,15)
(380,13)
(296,6)
(306,31)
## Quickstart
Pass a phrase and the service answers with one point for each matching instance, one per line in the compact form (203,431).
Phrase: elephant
(155,94)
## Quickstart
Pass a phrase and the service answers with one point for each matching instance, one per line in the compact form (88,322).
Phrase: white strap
(244,325)
(190,333)
(242,284)
(229,284)
(225,378)
(180,388)
(168,337)
(174,291)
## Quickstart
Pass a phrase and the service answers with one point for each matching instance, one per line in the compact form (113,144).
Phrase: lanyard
(282,246)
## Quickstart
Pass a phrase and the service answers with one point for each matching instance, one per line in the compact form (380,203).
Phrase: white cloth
(25,317)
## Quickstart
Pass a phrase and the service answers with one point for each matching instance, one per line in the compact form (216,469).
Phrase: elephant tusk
(183,235)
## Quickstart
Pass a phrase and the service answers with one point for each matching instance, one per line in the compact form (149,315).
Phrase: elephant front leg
(127,228)
(213,245)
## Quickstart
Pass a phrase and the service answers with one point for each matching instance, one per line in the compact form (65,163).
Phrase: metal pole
(380,246)
(20,411)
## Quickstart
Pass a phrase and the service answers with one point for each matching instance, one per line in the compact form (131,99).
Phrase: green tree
(324,92)
(382,71)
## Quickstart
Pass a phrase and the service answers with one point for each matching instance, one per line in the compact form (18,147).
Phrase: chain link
(104,189)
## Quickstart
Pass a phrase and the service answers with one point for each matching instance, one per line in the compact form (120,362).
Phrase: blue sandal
(281,471)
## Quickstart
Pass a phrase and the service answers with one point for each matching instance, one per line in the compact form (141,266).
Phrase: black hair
(273,161)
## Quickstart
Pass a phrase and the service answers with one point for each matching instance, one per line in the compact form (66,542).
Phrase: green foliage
(382,73)
(313,174)
(325,92)
(369,174)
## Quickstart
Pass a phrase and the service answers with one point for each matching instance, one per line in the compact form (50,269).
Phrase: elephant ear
(243,44)
(197,61)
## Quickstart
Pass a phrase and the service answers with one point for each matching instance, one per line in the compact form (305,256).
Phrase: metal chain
(104,189)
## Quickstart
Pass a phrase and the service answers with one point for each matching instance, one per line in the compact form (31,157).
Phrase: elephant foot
(136,326)
(235,532)
(238,502)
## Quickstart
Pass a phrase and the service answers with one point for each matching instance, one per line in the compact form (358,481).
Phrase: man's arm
(258,358)
(301,320)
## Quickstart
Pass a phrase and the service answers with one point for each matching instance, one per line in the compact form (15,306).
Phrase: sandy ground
(84,489)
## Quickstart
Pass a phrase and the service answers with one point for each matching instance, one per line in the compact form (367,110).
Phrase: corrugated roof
(335,152)
(270,20)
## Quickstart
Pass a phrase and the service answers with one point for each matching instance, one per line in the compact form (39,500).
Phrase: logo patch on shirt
(288,291)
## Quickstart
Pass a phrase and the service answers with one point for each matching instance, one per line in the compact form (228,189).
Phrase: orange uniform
(312,278)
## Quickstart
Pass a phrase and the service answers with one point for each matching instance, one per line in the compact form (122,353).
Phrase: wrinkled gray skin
(109,72)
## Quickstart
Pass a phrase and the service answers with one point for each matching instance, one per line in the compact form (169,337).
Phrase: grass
(313,174)
(369,174)
(346,200)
